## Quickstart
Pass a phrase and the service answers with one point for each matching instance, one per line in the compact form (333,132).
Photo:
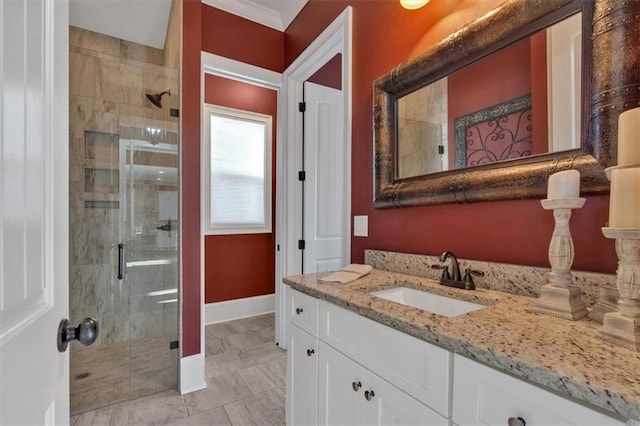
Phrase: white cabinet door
(413,365)
(484,396)
(391,406)
(302,378)
(341,384)
(352,395)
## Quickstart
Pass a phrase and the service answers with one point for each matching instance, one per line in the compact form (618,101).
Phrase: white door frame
(245,73)
(336,38)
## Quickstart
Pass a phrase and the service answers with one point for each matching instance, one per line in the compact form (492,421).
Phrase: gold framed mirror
(609,76)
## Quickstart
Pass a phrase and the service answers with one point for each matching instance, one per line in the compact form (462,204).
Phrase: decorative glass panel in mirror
(484,113)
(581,135)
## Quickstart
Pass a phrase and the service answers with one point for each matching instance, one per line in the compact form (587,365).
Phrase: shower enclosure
(124,216)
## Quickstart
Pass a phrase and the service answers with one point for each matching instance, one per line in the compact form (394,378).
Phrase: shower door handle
(120,261)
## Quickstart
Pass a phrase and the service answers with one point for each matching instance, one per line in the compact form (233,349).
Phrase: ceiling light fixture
(413,4)
(154,136)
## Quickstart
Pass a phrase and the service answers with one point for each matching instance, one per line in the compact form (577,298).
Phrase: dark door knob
(368,395)
(310,352)
(299,311)
(516,421)
(86,333)
(356,386)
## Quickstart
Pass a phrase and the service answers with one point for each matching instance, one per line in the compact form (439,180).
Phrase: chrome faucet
(455,268)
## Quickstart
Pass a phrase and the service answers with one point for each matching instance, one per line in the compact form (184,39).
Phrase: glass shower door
(124,268)
(99,373)
(123,213)
(149,237)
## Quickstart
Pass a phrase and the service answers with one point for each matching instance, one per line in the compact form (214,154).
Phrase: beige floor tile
(264,409)
(245,325)
(276,370)
(215,345)
(93,418)
(219,391)
(245,383)
(266,335)
(214,417)
(227,362)
(266,352)
(256,380)
(243,340)
(270,319)
(217,330)
(161,408)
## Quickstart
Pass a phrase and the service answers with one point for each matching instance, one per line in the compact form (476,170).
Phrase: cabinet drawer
(420,369)
(302,310)
(484,396)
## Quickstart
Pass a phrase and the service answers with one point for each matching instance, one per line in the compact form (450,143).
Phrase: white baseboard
(239,308)
(192,374)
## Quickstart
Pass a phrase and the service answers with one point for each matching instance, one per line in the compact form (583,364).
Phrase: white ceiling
(276,14)
(141,21)
(145,21)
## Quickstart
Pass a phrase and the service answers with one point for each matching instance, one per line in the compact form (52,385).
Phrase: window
(239,171)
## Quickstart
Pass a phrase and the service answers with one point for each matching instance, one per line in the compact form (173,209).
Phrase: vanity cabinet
(484,396)
(302,359)
(418,368)
(302,377)
(346,369)
(349,394)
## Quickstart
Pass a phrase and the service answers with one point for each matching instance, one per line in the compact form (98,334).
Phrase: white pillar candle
(565,184)
(624,201)
(629,137)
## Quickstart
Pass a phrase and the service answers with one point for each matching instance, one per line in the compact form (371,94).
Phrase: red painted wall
(330,75)
(237,38)
(218,32)
(190,177)
(502,76)
(238,266)
(473,87)
(518,232)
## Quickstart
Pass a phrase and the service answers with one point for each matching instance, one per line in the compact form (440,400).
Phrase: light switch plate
(361,226)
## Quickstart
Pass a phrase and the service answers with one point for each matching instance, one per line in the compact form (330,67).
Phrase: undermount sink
(441,305)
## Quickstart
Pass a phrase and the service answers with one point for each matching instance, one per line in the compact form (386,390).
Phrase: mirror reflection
(522,100)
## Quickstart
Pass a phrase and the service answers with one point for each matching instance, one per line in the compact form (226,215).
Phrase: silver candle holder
(559,297)
(622,327)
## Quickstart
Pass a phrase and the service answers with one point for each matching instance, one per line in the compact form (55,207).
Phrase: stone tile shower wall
(109,78)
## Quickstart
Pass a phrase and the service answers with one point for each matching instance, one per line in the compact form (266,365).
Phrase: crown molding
(278,19)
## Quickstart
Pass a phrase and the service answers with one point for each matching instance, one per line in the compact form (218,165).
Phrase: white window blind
(240,171)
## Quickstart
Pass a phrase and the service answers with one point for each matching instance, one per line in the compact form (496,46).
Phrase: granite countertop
(565,356)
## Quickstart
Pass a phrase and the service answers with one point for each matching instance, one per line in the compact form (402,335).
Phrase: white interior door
(34,381)
(324,186)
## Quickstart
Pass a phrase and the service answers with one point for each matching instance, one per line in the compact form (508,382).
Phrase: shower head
(156,98)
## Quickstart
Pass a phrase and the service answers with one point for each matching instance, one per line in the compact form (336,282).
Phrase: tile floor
(245,374)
